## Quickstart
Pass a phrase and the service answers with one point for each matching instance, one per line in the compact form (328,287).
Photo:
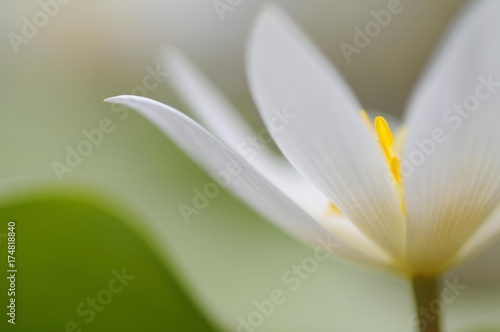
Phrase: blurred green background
(119,207)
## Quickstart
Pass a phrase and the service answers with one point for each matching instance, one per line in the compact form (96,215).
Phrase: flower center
(391,148)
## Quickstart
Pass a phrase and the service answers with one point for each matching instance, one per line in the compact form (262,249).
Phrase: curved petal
(218,115)
(451,162)
(235,173)
(314,118)
(487,234)
(210,106)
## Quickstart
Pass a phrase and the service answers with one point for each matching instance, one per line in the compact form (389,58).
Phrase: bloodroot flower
(417,200)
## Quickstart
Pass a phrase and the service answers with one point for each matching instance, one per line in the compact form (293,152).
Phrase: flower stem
(426,291)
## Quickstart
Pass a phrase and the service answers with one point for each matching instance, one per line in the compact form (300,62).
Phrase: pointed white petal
(451,160)
(215,112)
(205,101)
(314,118)
(239,175)
(218,115)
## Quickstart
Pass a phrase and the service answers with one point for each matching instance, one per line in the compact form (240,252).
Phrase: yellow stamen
(333,208)
(392,148)
(386,140)
(396,169)
(385,137)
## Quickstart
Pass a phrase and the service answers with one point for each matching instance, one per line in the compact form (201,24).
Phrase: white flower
(418,204)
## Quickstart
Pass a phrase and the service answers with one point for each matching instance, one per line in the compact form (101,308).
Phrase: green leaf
(69,249)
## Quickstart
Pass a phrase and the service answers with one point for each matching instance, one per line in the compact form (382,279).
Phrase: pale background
(228,257)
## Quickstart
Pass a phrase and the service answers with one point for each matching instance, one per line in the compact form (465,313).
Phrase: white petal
(452,165)
(487,234)
(208,104)
(218,115)
(324,136)
(249,184)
